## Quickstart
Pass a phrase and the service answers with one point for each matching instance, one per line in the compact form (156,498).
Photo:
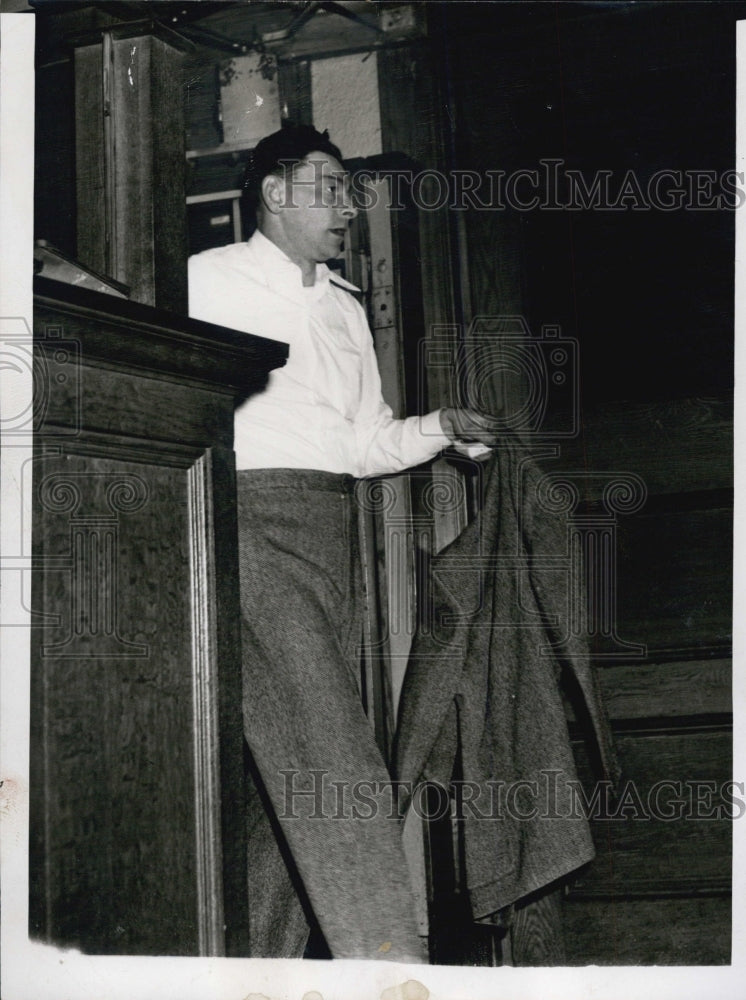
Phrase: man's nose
(348,208)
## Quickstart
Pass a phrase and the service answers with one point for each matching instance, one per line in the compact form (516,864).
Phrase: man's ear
(273,193)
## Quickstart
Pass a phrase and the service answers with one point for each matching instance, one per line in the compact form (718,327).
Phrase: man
(300,445)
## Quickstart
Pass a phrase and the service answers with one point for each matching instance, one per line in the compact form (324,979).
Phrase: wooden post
(129,121)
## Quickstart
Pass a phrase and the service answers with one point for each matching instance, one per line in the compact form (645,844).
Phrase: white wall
(344,94)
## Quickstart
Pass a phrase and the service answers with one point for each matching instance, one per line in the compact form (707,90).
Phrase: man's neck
(307,267)
(308,274)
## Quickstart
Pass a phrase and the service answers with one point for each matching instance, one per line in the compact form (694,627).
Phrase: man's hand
(468,425)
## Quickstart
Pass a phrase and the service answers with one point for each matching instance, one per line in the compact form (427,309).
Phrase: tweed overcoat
(481,694)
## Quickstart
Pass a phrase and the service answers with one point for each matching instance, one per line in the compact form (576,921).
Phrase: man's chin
(334,247)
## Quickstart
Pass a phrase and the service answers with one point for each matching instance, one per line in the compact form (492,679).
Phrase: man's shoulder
(234,255)
(230,271)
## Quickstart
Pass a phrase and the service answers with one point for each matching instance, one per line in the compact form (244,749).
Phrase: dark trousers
(331,851)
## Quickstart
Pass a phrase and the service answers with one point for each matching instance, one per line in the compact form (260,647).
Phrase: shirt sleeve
(209,298)
(385,444)
(200,306)
(217,291)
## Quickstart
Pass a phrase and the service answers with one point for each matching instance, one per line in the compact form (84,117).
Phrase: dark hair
(283,149)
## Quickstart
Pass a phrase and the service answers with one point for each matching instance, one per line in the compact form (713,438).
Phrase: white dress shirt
(323,409)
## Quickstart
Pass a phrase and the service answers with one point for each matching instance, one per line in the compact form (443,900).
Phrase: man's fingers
(478,426)
(469,425)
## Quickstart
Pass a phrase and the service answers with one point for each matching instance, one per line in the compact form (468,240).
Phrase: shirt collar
(284,276)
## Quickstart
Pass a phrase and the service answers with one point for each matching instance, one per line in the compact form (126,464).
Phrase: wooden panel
(648,932)
(224,660)
(89,169)
(667,690)
(201,95)
(146,408)
(134,229)
(676,446)
(645,854)
(166,195)
(138,841)
(136,722)
(206,721)
(484,137)
(113,707)
(145,168)
(536,935)
(376,655)
(410,124)
(675,580)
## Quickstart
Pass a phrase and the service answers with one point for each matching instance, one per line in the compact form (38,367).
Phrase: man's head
(300,192)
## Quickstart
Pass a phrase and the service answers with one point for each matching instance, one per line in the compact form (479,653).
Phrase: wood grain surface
(137,824)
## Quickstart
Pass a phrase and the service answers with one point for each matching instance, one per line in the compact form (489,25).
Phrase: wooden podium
(137,827)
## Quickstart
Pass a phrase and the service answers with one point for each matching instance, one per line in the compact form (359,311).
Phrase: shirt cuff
(431,429)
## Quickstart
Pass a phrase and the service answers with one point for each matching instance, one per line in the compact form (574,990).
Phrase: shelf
(226,147)
(199,199)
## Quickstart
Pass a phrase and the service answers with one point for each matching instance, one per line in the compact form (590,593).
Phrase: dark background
(613,87)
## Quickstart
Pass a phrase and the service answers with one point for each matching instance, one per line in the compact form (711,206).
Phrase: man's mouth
(341,232)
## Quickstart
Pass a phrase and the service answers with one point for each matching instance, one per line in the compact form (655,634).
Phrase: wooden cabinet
(137,840)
